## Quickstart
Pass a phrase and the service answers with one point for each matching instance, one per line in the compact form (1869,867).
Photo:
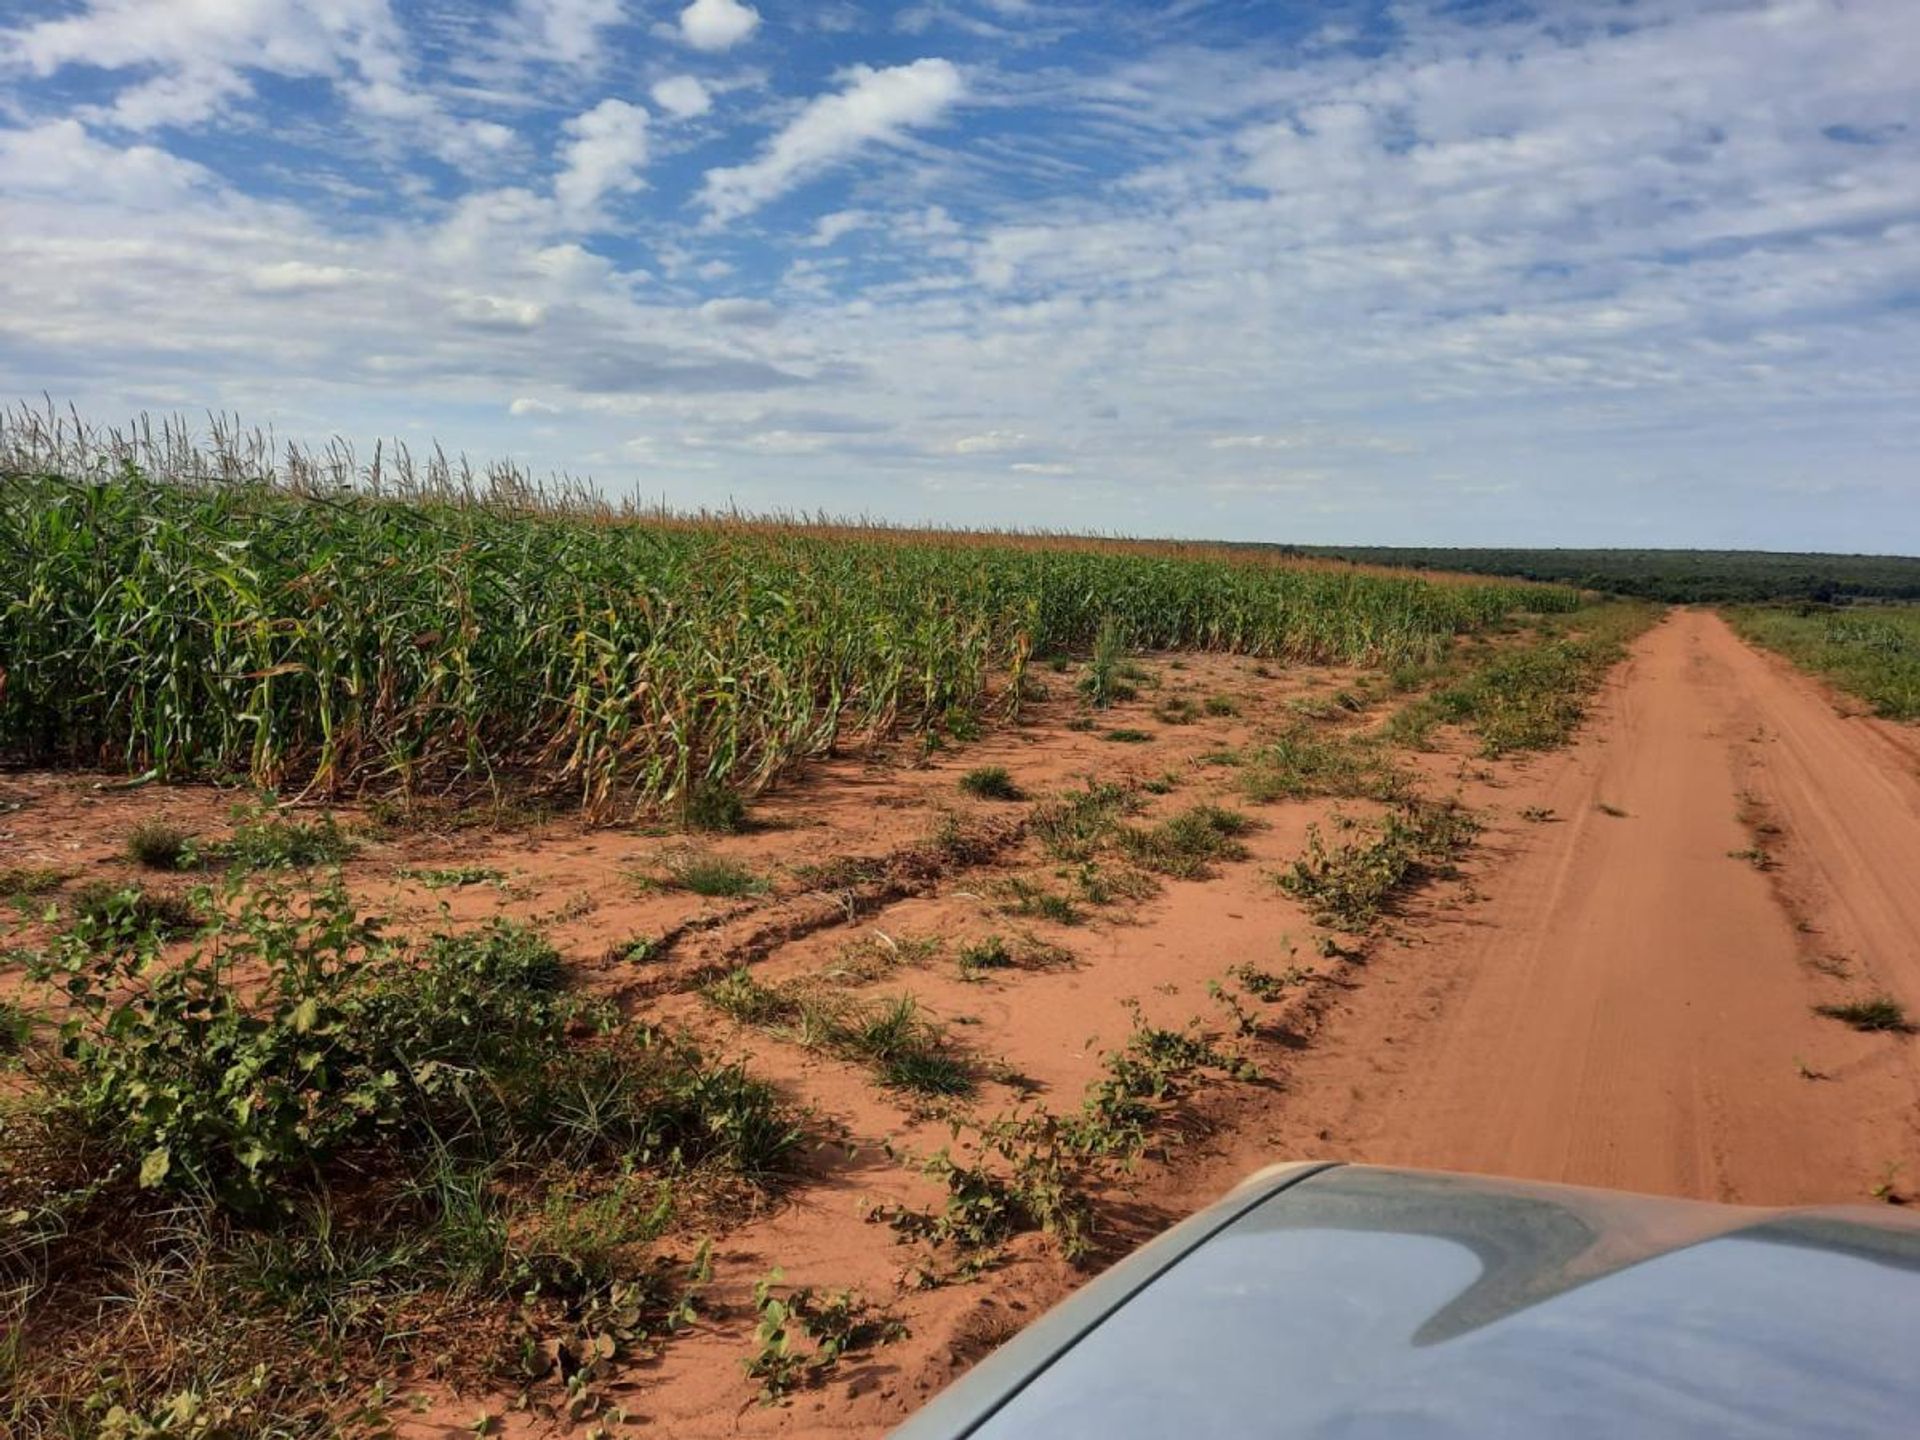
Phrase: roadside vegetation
(1872,653)
(348,1148)
(1533,695)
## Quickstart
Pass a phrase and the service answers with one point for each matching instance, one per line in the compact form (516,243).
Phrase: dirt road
(1631,1004)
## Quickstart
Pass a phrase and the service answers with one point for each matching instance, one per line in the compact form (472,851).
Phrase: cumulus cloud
(62,159)
(875,106)
(603,154)
(683,96)
(717,24)
(741,311)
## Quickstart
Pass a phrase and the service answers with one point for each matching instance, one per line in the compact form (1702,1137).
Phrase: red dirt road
(1631,1004)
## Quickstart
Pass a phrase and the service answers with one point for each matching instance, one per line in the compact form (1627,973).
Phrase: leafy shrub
(1351,885)
(1104,682)
(273,842)
(341,1039)
(117,916)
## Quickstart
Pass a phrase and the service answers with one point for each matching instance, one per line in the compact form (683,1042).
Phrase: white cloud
(875,106)
(61,159)
(568,32)
(831,228)
(603,154)
(682,95)
(524,405)
(717,24)
(1041,467)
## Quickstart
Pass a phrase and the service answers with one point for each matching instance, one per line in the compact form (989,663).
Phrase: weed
(714,807)
(23,881)
(1301,764)
(1754,856)
(1352,884)
(1264,984)
(1103,683)
(1176,710)
(131,911)
(1221,706)
(1029,897)
(838,1323)
(457,877)
(990,953)
(1611,810)
(1075,825)
(1128,737)
(1879,1013)
(1537,815)
(991,782)
(1186,845)
(272,842)
(158,845)
(714,876)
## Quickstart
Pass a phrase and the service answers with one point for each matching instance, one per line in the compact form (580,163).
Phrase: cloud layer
(1587,273)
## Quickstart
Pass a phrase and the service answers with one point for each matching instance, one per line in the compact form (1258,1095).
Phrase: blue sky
(1574,272)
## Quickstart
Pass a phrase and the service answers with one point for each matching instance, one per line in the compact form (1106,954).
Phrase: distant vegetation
(300,620)
(1674,576)
(1875,654)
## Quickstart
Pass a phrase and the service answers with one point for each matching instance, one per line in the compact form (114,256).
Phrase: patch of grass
(877,954)
(1872,653)
(991,782)
(1075,825)
(1264,984)
(16,1028)
(1126,736)
(1029,897)
(1532,697)
(1537,815)
(1302,763)
(273,842)
(1186,845)
(1222,707)
(715,877)
(989,953)
(24,881)
(1022,952)
(1878,1013)
(158,845)
(897,1039)
(1352,884)
(715,808)
(1176,710)
(1613,811)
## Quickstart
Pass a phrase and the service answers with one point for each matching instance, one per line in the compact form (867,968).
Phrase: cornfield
(213,608)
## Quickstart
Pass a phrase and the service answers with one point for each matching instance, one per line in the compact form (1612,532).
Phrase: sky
(1422,272)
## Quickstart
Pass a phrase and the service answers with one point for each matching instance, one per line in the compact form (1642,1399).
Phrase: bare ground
(1609,998)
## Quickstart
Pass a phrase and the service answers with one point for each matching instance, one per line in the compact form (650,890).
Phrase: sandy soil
(1632,1003)
(1610,998)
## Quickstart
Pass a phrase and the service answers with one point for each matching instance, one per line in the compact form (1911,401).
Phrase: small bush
(715,808)
(160,846)
(991,782)
(1222,706)
(1351,885)
(1880,1013)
